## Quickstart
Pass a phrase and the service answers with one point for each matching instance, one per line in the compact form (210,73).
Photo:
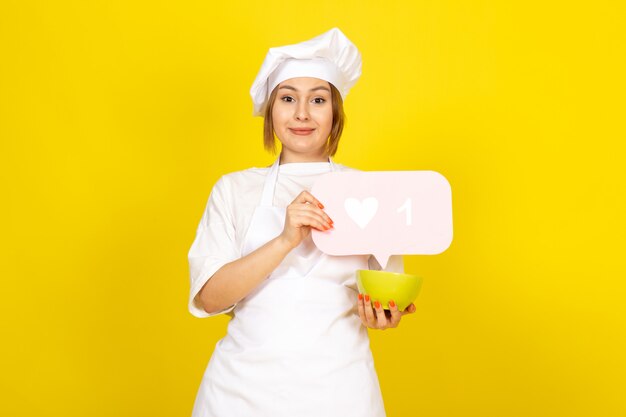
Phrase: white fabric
(226,218)
(317,68)
(295,346)
(343,67)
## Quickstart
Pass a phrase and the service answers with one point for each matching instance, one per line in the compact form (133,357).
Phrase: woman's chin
(302,147)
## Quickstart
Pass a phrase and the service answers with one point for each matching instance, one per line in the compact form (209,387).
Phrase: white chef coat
(295,344)
(225,221)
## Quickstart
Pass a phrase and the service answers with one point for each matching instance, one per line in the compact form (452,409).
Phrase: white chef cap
(330,57)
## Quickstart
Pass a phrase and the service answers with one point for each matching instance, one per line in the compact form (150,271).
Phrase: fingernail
(392,304)
(360,297)
(367,298)
(377,304)
(320,205)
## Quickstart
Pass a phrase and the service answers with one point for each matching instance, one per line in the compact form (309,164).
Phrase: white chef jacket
(220,234)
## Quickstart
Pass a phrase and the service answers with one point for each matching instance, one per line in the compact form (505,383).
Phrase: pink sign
(385,213)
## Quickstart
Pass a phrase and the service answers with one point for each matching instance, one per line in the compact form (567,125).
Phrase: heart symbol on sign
(361,212)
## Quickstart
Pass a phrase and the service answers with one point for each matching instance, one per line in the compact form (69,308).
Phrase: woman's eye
(317,100)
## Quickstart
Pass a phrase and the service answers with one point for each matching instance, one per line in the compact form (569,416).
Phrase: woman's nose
(302,112)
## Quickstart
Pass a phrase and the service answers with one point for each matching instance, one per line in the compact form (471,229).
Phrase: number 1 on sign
(406,207)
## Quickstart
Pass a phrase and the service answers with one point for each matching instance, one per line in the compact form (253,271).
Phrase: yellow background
(118,117)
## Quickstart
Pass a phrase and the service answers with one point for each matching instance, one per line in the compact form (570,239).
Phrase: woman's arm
(236,279)
(232,282)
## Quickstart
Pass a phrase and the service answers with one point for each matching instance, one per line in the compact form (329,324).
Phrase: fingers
(314,204)
(396,315)
(381,318)
(376,317)
(410,309)
(361,310)
(303,213)
(303,216)
(307,197)
(370,318)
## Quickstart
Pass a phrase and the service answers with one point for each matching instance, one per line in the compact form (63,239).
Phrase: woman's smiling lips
(301,132)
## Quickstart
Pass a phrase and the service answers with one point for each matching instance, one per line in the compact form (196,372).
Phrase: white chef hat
(330,57)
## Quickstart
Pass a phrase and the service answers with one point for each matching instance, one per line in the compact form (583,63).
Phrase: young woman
(297,343)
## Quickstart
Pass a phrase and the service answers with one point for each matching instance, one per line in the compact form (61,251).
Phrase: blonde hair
(339,119)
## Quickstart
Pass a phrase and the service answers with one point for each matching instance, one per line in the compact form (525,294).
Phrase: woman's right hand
(304,212)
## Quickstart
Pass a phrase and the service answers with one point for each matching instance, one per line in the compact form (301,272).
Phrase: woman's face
(303,116)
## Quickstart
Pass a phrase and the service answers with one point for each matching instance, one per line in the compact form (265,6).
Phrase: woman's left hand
(376,317)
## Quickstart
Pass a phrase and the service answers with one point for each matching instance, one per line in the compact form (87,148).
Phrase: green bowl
(383,286)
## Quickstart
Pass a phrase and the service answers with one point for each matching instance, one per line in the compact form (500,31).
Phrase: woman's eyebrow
(321,87)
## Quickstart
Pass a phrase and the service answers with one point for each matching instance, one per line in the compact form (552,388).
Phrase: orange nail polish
(392,304)
(377,304)
(360,297)
(367,298)
(320,205)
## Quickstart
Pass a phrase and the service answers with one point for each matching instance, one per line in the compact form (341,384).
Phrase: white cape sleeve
(213,247)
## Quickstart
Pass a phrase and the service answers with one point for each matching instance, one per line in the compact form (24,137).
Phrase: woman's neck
(288,158)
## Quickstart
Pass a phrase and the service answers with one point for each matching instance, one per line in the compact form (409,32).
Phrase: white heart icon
(361,212)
